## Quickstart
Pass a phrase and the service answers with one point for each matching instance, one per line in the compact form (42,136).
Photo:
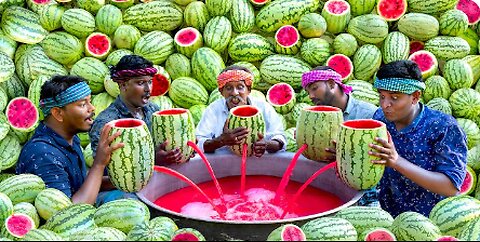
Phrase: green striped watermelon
(114,57)
(291,142)
(22,25)
(453,23)
(178,65)
(217,33)
(318,138)
(187,41)
(122,214)
(71,220)
(447,48)
(3,99)
(419,26)
(99,234)
(412,226)
(78,22)
(292,117)
(361,7)
(42,235)
(206,66)
(92,70)
(51,16)
(22,188)
(471,130)
(7,45)
(465,103)
(214,96)
(63,47)
(27,209)
(471,231)
(250,47)
(155,46)
(175,126)
(251,118)
(164,102)
(242,16)
(283,68)
(337,15)
(312,25)
(396,47)
(453,213)
(91,6)
(101,102)
(368,28)
(316,51)
(6,207)
(474,62)
(363,90)
(473,159)
(366,62)
(111,87)
(458,74)
(157,229)
(7,67)
(472,39)
(155,15)
(126,36)
(108,19)
(330,229)
(437,86)
(196,15)
(50,201)
(13,87)
(365,218)
(345,44)
(179,88)
(430,6)
(4,127)
(287,232)
(10,149)
(131,167)
(218,7)
(197,112)
(354,164)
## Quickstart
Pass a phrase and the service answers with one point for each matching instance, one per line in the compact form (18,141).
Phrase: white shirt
(214,118)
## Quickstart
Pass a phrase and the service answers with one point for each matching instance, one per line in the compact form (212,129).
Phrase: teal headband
(72,94)
(403,85)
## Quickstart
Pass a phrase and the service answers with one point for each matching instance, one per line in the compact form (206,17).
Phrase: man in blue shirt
(54,153)
(425,156)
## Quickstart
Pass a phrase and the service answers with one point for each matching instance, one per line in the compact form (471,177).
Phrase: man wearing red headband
(235,83)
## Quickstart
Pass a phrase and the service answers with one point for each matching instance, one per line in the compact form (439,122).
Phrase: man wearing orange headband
(235,83)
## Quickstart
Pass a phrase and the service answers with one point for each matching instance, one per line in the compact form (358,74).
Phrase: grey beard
(237,97)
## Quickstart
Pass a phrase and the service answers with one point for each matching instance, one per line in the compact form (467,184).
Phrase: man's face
(320,93)
(79,115)
(137,90)
(397,106)
(236,93)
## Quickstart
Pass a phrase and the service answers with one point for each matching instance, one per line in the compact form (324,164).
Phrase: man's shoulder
(438,118)
(363,104)
(108,114)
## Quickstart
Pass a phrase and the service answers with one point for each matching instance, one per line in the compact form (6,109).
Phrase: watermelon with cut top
(187,234)
(288,232)
(471,8)
(188,40)
(377,234)
(426,61)
(282,97)
(18,225)
(98,45)
(22,115)
(469,183)
(287,39)
(341,64)
(391,10)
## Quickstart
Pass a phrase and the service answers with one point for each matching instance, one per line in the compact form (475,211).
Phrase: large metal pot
(226,164)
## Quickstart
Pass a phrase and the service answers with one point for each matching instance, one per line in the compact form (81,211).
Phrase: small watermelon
(391,10)
(287,40)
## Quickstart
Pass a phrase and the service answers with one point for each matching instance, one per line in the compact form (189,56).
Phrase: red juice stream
(243,170)
(288,173)
(306,184)
(209,167)
(174,173)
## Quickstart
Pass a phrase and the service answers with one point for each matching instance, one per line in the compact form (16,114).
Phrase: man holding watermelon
(425,155)
(235,84)
(324,87)
(133,74)
(54,152)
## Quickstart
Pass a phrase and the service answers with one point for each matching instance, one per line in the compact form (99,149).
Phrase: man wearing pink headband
(235,83)
(324,86)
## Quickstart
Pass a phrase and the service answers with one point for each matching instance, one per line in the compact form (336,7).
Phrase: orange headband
(234,75)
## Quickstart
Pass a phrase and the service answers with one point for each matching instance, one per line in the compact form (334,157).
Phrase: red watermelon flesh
(468,185)
(245,111)
(18,225)
(185,237)
(98,44)
(426,61)
(391,10)
(287,36)
(187,36)
(280,94)
(293,233)
(447,238)
(337,7)
(128,123)
(341,64)
(471,8)
(172,111)
(323,109)
(22,114)
(416,45)
(259,1)
(160,85)
(41,2)
(363,124)
(380,235)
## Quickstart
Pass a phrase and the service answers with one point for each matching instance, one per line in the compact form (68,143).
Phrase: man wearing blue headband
(425,155)
(54,153)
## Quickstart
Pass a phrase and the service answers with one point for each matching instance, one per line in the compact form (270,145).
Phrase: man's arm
(205,132)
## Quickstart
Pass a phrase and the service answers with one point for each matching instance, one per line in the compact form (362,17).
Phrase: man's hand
(260,146)
(105,147)
(332,152)
(167,157)
(233,136)
(386,151)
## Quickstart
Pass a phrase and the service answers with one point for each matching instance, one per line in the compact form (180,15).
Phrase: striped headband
(123,75)
(234,75)
(403,85)
(324,75)
(72,94)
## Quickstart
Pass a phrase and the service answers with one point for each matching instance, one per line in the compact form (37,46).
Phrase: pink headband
(124,74)
(324,75)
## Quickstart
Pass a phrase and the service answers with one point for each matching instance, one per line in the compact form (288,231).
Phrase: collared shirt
(118,110)
(214,118)
(358,109)
(51,157)
(434,142)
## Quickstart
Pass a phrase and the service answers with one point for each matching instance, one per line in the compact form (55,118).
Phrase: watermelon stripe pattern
(419,26)
(10,149)
(218,7)
(27,209)
(250,47)
(471,231)
(176,126)
(22,25)
(6,207)
(206,66)
(217,33)
(93,70)
(155,46)
(149,231)
(42,235)
(108,19)
(50,201)
(430,6)
(7,67)
(183,85)
(100,234)
(396,47)
(122,214)
(329,229)
(283,12)
(155,15)
(131,167)
(196,15)
(465,103)
(364,218)
(315,51)
(281,68)
(254,122)
(63,48)
(366,62)
(22,188)
(412,226)
(447,48)
(78,22)
(72,220)
(51,16)
(369,28)
(242,16)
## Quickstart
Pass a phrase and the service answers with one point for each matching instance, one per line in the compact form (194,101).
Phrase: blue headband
(403,85)
(72,94)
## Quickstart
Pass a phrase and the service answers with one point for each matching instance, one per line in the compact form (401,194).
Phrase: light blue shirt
(358,109)
(214,118)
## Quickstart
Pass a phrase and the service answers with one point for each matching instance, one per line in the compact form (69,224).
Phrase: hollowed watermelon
(160,82)
(426,61)
(98,45)
(288,232)
(471,8)
(18,225)
(188,40)
(337,15)
(391,10)
(469,183)
(287,40)
(22,114)
(282,97)
(341,64)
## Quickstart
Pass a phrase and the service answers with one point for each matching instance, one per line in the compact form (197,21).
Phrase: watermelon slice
(18,225)
(416,45)
(98,45)
(160,82)
(471,8)
(391,10)
(377,234)
(341,64)
(187,234)
(469,183)
(282,97)
(287,40)
(188,40)
(22,115)
(426,61)
(288,232)
(447,238)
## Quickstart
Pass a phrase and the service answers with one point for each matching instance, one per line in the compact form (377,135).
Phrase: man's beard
(239,99)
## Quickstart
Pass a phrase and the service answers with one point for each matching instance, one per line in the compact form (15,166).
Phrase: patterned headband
(403,85)
(122,75)
(72,94)
(324,75)
(234,75)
